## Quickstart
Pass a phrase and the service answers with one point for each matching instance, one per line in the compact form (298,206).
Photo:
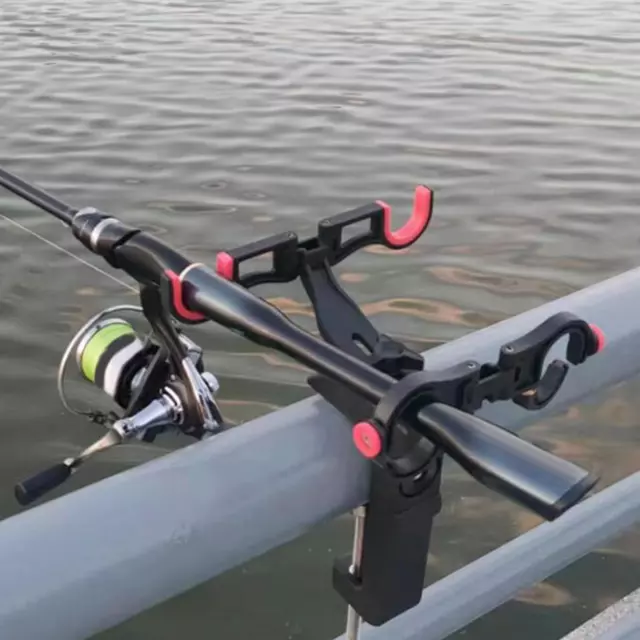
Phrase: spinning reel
(158,380)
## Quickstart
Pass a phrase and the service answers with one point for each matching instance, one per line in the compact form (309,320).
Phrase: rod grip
(506,463)
(36,486)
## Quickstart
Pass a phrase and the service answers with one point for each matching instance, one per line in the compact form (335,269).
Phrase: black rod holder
(407,420)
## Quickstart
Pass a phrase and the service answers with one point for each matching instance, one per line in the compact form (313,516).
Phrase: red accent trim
(411,230)
(599,334)
(225,266)
(177,299)
(367,439)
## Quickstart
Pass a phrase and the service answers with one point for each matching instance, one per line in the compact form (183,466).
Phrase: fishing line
(68,253)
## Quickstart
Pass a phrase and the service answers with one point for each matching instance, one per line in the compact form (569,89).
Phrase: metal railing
(117,547)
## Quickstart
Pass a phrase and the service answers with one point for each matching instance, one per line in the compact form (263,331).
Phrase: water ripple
(213,124)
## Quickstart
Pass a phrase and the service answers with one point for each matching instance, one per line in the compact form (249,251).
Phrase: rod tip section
(30,490)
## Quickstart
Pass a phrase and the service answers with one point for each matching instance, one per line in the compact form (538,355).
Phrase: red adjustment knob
(367,439)
(599,335)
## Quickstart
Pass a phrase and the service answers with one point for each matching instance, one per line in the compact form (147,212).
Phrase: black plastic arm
(340,321)
(284,248)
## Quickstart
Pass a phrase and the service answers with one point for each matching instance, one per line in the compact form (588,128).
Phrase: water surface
(215,123)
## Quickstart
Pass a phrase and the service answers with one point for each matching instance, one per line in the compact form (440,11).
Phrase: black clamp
(405,497)
(406,474)
(405,482)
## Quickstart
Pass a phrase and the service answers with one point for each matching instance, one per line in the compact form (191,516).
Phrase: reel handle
(35,487)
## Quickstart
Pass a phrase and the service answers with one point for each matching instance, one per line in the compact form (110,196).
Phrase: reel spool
(110,355)
(102,349)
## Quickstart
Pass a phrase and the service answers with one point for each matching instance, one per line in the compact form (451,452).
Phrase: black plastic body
(404,491)
(512,467)
(403,501)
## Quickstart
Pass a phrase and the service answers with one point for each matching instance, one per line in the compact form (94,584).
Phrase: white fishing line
(65,251)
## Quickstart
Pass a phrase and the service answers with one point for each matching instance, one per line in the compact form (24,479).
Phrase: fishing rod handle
(236,308)
(505,463)
(142,256)
(150,261)
(495,457)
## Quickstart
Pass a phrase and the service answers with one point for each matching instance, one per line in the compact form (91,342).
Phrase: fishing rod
(405,418)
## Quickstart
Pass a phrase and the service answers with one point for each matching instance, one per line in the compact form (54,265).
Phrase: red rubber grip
(177,300)
(415,226)
(225,266)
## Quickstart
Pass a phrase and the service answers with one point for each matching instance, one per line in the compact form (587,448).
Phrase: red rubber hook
(415,226)
(178,301)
